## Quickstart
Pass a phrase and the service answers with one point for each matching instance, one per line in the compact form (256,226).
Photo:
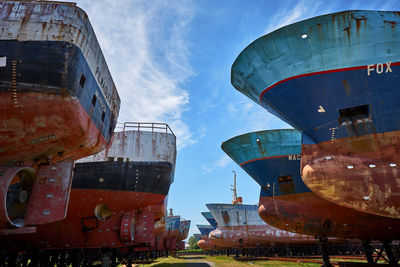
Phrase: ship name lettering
(379,68)
(294,157)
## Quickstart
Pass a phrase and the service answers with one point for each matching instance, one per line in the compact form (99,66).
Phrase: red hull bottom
(361,173)
(81,228)
(307,213)
(205,243)
(254,236)
(46,126)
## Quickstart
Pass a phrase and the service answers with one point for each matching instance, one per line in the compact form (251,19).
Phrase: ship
(58,103)
(184,226)
(118,197)
(272,159)
(197,236)
(209,218)
(172,232)
(334,77)
(239,226)
(205,243)
(205,229)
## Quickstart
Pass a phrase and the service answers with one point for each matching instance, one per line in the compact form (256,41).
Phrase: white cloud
(289,14)
(207,169)
(218,164)
(146,48)
(223,161)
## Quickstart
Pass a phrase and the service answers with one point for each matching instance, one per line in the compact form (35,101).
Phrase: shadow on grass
(186,264)
(191,257)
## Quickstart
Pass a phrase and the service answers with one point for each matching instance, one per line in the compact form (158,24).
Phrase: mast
(234,188)
(236,199)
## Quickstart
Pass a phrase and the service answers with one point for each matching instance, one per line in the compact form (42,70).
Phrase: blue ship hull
(335,78)
(271,159)
(50,74)
(205,230)
(53,67)
(211,220)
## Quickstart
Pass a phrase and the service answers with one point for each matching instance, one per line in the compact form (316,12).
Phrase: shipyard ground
(224,261)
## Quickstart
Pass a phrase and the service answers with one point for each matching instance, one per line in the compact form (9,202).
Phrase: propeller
(18,195)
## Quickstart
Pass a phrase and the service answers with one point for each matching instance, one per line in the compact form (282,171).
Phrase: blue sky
(171,60)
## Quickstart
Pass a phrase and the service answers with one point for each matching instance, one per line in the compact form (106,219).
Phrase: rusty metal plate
(50,194)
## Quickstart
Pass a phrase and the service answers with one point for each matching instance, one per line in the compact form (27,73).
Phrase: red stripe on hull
(274,157)
(307,213)
(255,235)
(317,73)
(361,173)
(46,125)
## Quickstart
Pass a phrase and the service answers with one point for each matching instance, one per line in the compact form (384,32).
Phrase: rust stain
(28,14)
(61,30)
(393,24)
(346,86)
(44,25)
(347,30)
(358,23)
(344,16)
(79,34)
(7,9)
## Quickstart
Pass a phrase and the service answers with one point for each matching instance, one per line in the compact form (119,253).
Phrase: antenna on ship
(236,199)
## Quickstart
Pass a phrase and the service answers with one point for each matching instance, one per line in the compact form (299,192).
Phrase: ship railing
(49,2)
(144,126)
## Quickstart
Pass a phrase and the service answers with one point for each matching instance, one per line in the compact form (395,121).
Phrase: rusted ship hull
(171,238)
(335,81)
(240,226)
(369,168)
(307,213)
(184,226)
(57,100)
(82,229)
(58,103)
(118,196)
(205,243)
(255,236)
(271,159)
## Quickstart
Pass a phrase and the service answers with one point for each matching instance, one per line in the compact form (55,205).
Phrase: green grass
(197,250)
(219,261)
